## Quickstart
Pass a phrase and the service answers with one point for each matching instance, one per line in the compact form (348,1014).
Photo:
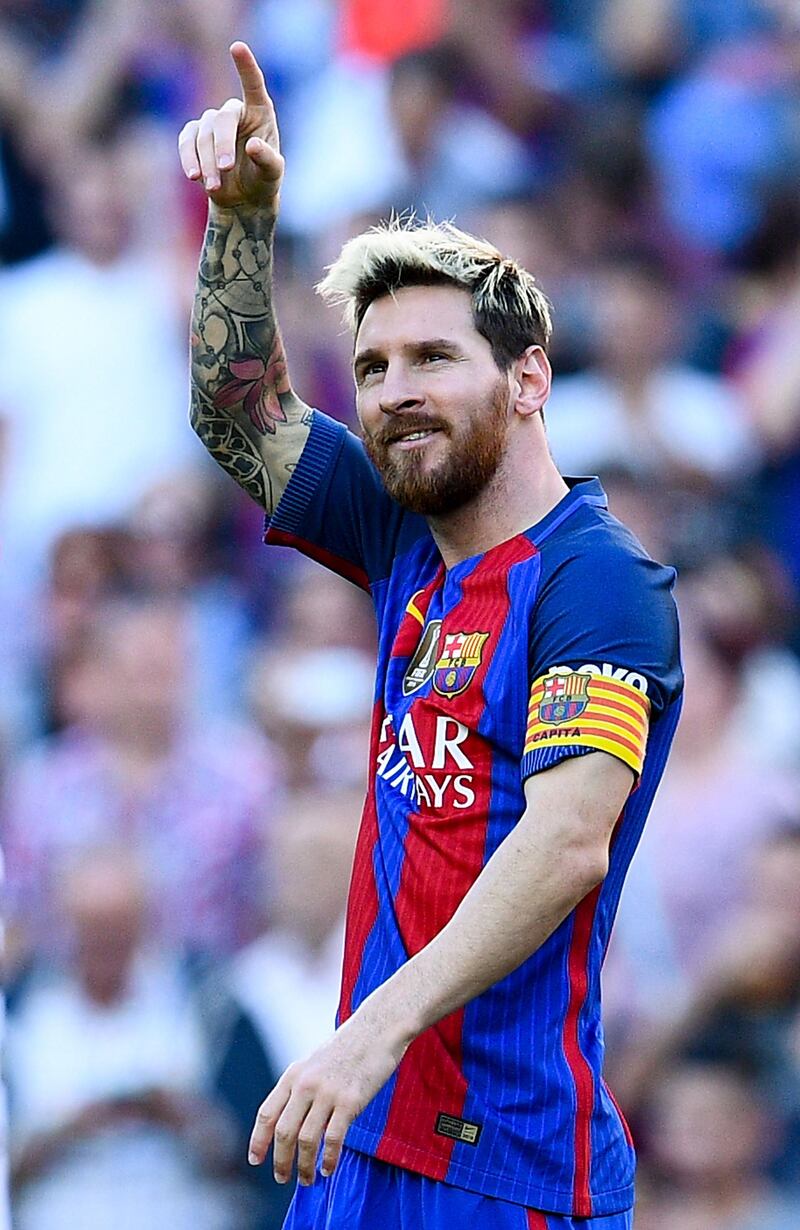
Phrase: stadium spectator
(87,430)
(649,42)
(711,1140)
(439,132)
(405,138)
(193,800)
(288,979)
(311,687)
(745,603)
(717,802)
(108,1069)
(639,406)
(86,570)
(173,552)
(723,127)
(744,1009)
(763,363)
(31,34)
(510,60)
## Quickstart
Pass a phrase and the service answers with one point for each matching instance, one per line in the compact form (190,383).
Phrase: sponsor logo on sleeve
(608,671)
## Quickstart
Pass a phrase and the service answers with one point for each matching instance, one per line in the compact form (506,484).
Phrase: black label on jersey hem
(457,1129)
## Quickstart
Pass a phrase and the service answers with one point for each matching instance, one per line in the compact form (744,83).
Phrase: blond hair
(508,307)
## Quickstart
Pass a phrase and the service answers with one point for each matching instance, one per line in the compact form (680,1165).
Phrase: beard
(477,445)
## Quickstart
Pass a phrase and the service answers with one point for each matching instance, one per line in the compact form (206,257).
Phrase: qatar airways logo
(433,771)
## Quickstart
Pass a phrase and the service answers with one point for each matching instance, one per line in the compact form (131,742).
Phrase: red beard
(476,447)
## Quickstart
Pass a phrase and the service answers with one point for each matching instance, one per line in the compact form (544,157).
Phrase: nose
(397,392)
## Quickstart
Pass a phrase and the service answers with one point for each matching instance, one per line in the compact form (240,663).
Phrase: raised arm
(243,407)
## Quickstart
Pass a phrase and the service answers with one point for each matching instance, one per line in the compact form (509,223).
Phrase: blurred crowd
(184,715)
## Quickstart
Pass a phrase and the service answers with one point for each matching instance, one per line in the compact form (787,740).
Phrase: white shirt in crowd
(690,417)
(65,1053)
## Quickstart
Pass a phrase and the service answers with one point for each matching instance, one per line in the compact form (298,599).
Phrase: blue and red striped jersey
(557,642)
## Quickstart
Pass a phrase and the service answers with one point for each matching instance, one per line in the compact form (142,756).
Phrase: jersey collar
(582,491)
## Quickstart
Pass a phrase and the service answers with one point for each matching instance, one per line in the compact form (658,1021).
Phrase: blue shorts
(365,1194)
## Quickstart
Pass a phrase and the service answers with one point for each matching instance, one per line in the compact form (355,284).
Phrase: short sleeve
(604,660)
(336,510)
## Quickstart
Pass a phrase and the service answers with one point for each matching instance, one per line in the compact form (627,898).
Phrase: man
(113,1120)
(133,767)
(527,645)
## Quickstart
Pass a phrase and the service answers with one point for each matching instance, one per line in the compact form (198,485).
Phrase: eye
(371,369)
(434,356)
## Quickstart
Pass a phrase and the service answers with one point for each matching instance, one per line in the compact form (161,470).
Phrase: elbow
(588,869)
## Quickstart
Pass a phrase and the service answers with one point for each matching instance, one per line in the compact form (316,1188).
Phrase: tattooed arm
(243,406)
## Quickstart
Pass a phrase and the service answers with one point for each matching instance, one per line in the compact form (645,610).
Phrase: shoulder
(46,276)
(72,754)
(601,557)
(604,605)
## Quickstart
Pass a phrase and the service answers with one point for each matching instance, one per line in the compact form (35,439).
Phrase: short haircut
(508,307)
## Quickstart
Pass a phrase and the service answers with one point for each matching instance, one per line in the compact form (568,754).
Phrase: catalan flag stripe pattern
(470,649)
(614,719)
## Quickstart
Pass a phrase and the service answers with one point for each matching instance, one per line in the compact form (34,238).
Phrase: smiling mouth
(412,438)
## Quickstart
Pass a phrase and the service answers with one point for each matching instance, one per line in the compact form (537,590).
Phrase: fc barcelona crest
(565,697)
(460,658)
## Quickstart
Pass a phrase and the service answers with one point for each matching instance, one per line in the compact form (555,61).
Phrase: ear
(531,379)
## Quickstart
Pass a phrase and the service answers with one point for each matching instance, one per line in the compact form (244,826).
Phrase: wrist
(265,212)
(267,208)
(411,1000)
(392,1012)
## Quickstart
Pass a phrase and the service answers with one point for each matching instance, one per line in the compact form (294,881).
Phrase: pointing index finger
(254,90)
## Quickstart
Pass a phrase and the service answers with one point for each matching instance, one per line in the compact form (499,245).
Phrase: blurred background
(183,714)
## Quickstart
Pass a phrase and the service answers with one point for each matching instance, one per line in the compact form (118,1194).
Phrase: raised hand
(235,150)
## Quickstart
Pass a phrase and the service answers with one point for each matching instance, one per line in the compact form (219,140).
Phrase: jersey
(559,642)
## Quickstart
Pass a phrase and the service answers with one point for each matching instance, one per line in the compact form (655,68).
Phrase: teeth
(416,435)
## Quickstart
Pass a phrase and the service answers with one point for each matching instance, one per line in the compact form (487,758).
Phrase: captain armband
(576,709)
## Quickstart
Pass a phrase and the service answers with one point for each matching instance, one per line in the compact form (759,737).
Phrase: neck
(729,1191)
(105,991)
(139,755)
(632,378)
(525,488)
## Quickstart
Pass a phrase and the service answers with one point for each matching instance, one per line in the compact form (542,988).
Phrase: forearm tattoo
(243,407)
